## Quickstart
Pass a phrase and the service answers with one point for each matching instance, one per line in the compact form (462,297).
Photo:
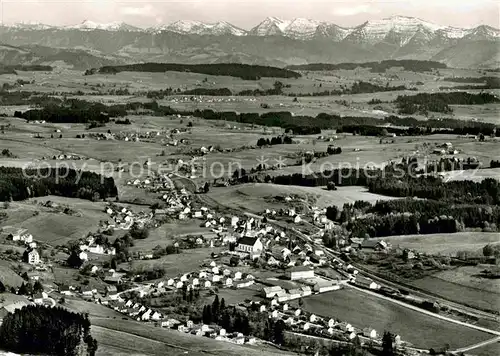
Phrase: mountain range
(272,42)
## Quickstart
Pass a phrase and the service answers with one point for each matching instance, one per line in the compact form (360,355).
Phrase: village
(254,255)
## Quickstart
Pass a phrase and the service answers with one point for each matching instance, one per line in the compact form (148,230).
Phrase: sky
(248,13)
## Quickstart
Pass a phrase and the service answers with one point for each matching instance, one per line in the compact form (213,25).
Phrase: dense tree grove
(277,140)
(243,71)
(495,164)
(487,82)
(409,65)
(484,192)
(49,331)
(74,111)
(19,184)
(439,102)
(208,91)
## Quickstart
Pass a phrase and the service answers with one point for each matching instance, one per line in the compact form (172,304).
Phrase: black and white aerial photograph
(249,177)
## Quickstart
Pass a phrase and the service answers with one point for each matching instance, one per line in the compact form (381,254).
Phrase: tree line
(50,331)
(80,111)
(276,140)
(382,66)
(20,184)
(424,103)
(243,71)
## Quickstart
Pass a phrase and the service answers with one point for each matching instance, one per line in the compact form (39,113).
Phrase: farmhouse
(366,283)
(271,292)
(295,273)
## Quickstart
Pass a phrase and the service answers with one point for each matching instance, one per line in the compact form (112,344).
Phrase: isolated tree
(388,348)
(488,250)
(331,186)
(37,287)
(234,261)
(215,307)
(2,287)
(74,260)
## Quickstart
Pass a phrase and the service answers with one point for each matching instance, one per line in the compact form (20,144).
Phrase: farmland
(360,309)
(446,244)
(159,160)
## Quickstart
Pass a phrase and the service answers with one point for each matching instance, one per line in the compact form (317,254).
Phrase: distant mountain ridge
(298,28)
(274,41)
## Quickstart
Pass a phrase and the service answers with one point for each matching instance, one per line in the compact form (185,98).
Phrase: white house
(237,275)
(179,285)
(250,245)
(33,257)
(313,318)
(207,284)
(302,272)
(271,292)
(83,256)
(370,333)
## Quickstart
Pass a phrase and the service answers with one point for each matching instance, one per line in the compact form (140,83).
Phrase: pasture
(133,336)
(445,244)
(363,310)
(464,285)
(256,197)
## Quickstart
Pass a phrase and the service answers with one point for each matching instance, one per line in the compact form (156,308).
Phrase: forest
(412,216)
(377,67)
(243,71)
(73,111)
(20,184)
(423,103)
(48,331)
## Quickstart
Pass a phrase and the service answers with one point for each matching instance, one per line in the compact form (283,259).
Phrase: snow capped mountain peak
(30,26)
(200,28)
(270,26)
(301,28)
(112,26)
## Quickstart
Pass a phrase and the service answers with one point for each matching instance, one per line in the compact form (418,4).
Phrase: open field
(489,350)
(171,341)
(364,310)
(54,227)
(177,264)
(7,276)
(463,285)
(164,234)
(255,196)
(445,244)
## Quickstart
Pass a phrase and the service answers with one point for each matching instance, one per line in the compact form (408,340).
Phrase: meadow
(463,285)
(445,244)
(362,310)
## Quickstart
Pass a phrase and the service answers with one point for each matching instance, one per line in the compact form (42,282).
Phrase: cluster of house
(204,99)
(19,235)
(89,245)
(177,202)
(304,322)
(64,157)
(126,136)
(445,148)
(123,218)
(207,278)
(154,183)
(309,284)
